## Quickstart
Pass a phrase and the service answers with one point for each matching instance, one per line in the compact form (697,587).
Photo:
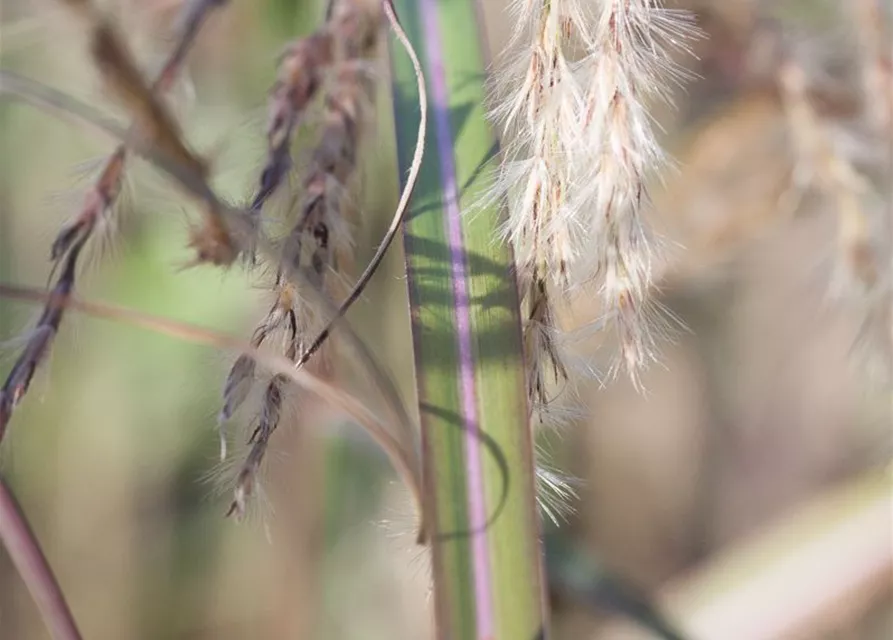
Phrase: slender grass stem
(29,560)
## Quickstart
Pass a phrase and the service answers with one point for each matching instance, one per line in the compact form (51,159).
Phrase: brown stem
(32,565)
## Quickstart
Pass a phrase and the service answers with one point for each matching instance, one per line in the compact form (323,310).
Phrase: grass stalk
(25,552)
(477,450)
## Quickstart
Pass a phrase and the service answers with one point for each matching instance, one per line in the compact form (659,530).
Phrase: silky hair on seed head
(570,99)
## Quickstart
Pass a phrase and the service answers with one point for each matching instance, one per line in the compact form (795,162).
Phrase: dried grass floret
(347,34)
(579,148)
(319,243)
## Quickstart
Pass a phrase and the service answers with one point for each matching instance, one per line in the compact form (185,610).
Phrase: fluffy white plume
(572,102)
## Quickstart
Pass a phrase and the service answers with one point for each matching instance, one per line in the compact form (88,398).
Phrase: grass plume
(579,149)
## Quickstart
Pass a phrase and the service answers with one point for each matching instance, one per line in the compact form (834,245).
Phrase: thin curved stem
(29,560)
(401,455)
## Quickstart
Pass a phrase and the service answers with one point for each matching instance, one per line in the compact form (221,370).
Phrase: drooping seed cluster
(111,56)
(154,127)
(346,34)
(332,61)
(629,63)
(579,148)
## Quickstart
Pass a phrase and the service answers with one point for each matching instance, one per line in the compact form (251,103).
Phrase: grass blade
(477,450)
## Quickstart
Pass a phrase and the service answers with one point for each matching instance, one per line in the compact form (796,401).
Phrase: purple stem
(32,565)
(452,222)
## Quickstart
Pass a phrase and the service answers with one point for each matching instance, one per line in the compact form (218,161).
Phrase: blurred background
(753,473)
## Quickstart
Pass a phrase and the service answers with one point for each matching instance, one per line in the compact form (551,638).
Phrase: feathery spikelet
(38,343)
(319,241)
(539,122)
(579,146)
(153,123)
(348,34)
(268,420)
(628,63)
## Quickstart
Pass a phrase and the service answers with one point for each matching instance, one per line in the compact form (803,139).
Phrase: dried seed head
(120,71)
(152,119)
(235,391)
(546,366)
(579,148)
(213,243)
(348,34)
(97,205)
(329,61)
(246,481)
(629,62)
(39,341)
(153,122)
(267,423)
(32,355)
